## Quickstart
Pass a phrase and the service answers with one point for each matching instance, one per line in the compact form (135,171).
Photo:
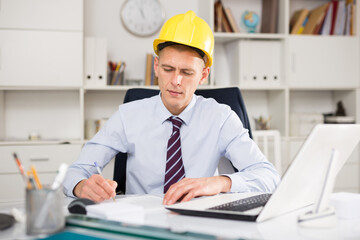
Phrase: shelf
(124,88)
(41,142)
(223,37)
(327,88)
(262,88)
(323,37)
(118,88)
(127,87)
(42,88)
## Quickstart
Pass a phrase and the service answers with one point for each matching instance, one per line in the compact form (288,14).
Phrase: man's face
(179,70)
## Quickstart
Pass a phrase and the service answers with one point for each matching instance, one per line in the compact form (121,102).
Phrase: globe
(250,20)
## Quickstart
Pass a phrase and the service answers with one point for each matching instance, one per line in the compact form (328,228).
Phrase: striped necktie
(174,165)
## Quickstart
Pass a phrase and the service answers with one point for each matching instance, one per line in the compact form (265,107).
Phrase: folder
(95,62)
(89,61)
(257,63)
(100,67)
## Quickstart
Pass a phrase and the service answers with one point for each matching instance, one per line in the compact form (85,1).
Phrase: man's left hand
(188,188)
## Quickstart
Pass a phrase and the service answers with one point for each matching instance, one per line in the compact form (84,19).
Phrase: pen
(36,178)
(60,176)
(21,168)
(100,173)
(30,182)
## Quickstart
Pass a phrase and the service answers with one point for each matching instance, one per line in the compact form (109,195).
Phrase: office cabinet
(41,14)
(40,58)
(51,115)
(45,158)
(41,95)
(318,61)
(13,187)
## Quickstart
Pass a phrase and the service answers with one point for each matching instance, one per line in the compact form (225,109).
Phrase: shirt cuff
(238,184)
(70,183)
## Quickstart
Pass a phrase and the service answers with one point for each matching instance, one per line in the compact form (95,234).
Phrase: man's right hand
(95,188)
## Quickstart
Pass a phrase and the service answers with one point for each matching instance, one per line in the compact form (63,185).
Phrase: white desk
(283,227)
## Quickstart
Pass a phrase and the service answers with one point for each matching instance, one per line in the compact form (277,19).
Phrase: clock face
(142,17)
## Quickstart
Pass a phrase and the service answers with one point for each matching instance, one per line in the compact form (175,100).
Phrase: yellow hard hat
(190,30)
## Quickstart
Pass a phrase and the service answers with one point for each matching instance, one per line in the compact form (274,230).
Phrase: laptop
(299,187)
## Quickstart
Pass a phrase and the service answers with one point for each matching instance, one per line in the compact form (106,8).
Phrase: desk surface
(283,227)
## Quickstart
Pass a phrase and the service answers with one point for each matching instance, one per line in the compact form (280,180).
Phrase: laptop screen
(303,179)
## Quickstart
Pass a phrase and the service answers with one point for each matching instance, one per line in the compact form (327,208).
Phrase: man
(174,140)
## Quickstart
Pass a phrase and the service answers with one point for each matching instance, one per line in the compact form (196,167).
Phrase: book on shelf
(353,20)
(224,19)
(350,18)
(301,29)
(218,16)
(335,4)
(340,18)
(148,70)
(231,19)
(320,24)
(225,23)
(326,26)
(150,78)
(316,17)
(347,19)
(269,16)
(297,20)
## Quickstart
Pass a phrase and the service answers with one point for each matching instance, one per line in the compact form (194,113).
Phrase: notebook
(300,184)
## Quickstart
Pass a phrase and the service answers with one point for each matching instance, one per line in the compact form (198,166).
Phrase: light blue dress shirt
(210,131)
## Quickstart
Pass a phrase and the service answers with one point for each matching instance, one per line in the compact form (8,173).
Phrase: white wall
(102,19)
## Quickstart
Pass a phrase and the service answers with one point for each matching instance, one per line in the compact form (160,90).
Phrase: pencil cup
(44,211)
(116,78)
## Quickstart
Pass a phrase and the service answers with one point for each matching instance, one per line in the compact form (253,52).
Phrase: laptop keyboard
(244,204)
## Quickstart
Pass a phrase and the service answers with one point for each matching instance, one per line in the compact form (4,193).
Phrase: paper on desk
(150,203)
(117,211)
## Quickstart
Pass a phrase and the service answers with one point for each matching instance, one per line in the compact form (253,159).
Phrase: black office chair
(229,96)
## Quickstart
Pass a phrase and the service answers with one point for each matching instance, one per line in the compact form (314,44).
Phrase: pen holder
(115,78)
(44,211)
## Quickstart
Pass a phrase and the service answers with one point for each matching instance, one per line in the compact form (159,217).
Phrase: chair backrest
(229,96)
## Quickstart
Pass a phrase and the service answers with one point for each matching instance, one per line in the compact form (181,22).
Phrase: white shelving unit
(42,89)
(41,66)
(315,73)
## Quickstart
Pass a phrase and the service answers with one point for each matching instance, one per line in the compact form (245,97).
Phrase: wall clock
(142,17)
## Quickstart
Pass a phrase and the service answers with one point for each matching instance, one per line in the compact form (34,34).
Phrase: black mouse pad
(6,221)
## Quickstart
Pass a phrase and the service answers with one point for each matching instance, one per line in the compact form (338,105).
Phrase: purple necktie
(174,165)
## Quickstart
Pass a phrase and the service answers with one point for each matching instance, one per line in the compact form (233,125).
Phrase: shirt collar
(164,114)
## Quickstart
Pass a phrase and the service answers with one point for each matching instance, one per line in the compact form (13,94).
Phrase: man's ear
(156,66)
(204,75)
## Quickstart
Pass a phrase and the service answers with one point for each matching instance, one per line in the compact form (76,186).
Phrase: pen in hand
(100,173)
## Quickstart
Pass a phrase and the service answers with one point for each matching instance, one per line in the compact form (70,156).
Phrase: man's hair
(163,45)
